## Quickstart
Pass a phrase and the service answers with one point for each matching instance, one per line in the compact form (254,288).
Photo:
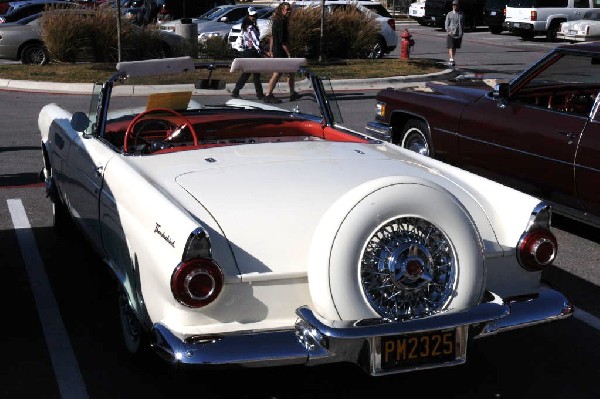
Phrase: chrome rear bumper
(315,341)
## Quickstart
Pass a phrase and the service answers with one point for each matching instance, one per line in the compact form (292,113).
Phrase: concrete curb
(131,90)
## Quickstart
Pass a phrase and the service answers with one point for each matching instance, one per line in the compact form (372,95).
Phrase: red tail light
(533,16)
(537,249)
(197,282)
(392,22)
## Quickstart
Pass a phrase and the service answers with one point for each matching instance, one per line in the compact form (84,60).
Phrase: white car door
(85,166)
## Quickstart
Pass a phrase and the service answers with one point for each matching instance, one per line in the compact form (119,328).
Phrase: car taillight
(533,16)
(197,282)
(537,249)
(392,22)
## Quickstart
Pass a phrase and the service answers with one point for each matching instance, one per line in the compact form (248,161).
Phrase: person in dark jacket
(148,12)
(251,49)
(279,48)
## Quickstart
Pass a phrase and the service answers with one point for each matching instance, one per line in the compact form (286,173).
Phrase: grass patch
(97,72)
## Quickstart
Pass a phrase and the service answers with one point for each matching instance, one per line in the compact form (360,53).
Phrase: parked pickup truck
(436,10)
(530,18)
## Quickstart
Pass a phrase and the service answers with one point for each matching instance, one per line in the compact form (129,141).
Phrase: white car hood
(268,199)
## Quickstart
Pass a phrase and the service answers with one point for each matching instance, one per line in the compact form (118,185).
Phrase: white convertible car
(247,234)
(586,29)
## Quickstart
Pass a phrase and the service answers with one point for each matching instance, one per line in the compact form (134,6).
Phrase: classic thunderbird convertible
(248,234)
(540,133)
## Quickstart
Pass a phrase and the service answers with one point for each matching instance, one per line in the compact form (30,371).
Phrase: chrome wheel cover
(414,140)
(408,269)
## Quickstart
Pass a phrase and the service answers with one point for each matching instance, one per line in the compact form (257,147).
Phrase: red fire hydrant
(407,43)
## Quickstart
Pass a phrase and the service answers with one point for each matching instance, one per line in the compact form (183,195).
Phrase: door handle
(571,136)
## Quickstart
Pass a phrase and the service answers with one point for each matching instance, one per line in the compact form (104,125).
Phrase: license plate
(433,18)
(572,32)
(427,349)
(414,12)
(492,12)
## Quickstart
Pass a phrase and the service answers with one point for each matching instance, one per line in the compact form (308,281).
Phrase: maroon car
(540,133)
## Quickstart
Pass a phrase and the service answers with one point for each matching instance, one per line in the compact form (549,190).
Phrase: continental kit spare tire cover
(396,250)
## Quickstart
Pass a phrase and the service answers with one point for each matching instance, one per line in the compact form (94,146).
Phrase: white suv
(529,18)
(388,39)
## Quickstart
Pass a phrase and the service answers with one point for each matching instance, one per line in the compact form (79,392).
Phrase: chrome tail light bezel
(196,283)
(537,247)
(197,280)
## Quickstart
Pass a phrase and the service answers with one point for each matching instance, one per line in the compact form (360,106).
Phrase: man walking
(279,48)
(455,25)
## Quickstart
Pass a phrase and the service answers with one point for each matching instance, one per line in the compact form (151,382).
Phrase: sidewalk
(338,85)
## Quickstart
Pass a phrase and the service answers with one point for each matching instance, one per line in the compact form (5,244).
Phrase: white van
(529,18)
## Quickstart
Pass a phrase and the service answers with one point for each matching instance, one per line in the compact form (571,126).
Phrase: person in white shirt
(251,49)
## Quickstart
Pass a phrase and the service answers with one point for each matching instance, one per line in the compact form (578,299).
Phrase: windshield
(592,15)
(213,13)
(537,3)
(561,72)
(167,104)
(264,13)
(495,4)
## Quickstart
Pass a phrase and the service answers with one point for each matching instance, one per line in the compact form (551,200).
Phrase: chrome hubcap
(415,141)
(408,269)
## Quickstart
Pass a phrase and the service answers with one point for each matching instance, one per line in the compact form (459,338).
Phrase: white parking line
(66,369)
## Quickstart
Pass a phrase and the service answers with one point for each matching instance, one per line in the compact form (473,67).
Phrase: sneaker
(235,94)
(271,99)
(295,96)
(451,62)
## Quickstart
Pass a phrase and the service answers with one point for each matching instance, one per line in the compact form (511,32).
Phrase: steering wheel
(135,134)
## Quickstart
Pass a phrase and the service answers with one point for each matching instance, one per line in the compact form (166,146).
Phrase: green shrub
(91,35)
(67,35)
(348,33)
(216,48)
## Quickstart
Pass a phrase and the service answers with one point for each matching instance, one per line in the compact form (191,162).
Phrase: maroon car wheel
(415,137)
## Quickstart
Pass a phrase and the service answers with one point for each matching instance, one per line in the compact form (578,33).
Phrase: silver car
(22,40)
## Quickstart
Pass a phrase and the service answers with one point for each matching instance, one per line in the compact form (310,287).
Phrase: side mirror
(79,121)
(501,91)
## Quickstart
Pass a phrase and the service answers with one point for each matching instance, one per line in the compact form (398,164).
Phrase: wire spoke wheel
(408,269)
